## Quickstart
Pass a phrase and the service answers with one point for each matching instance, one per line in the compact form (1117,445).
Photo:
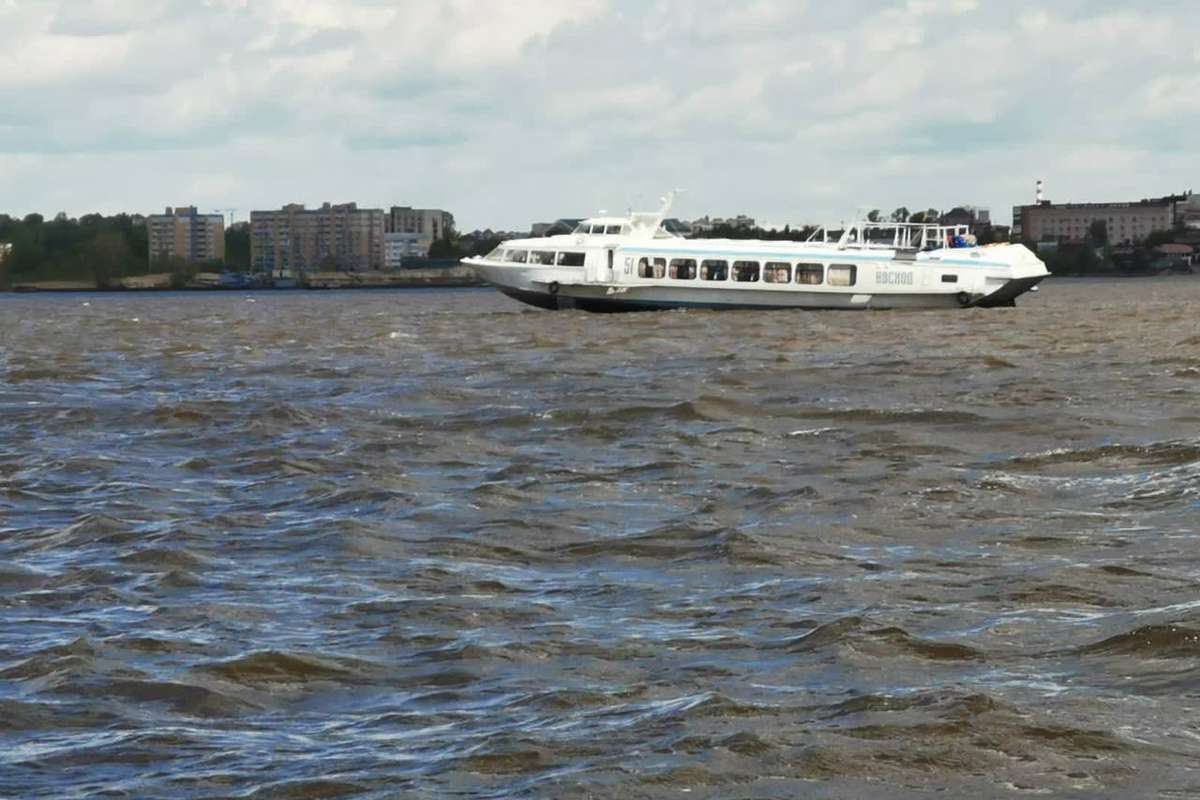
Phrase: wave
(1149,641)
(268,667)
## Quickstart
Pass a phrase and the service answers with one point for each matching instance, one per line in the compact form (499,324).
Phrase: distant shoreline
(321,281)
(93,289)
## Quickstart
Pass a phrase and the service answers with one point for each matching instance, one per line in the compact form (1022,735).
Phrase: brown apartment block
(1124,222)
(333,237)
(183,233)
(431,223)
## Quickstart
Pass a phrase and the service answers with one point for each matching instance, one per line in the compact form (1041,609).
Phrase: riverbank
(416,278)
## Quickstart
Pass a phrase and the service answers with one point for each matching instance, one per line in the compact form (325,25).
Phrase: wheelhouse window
(496,254)
(682,269)
(518,256)
(714,270)
(843,275)
(545,257)
(810,274)
(777,272)
(570,259)
(745,271)
(612,230)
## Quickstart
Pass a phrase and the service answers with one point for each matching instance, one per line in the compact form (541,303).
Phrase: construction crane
(223,211)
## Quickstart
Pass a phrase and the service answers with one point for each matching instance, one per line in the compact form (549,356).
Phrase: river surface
(431,544)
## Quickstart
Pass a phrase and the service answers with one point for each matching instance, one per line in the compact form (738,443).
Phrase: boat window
(660,267)
(613,229)
(714,270)
(843,275)
(645,269)
(541,257)
(570,259)
(518,256)
(745,271)
(777,272)
(497,254)
(683,269)
(811,274)
(949,279)
(597,229)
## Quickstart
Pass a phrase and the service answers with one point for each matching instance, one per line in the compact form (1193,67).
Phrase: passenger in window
(810,274)
(745,271)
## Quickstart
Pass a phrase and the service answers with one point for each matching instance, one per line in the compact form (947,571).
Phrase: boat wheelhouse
(633,263)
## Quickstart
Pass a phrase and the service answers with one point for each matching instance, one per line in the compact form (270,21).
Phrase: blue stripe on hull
(606,305)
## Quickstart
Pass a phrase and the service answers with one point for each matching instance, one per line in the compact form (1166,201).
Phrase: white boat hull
(566,288)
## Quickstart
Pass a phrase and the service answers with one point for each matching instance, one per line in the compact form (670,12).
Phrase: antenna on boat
(668,200)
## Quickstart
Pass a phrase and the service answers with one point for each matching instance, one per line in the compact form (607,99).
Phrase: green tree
(1155,238)
(444,248)
(901,214)
(237,248)
(1098,232)
(68,249)
(107,257)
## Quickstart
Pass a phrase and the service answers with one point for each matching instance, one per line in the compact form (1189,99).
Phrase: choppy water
(430,544)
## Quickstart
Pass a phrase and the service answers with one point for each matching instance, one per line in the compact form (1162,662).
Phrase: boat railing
(916,236)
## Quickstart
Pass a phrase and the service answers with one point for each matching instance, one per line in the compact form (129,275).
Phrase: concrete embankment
(135,283)
(439,277)
(452,276)
(55,286)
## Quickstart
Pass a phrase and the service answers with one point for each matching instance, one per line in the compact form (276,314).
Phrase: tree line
(97,248)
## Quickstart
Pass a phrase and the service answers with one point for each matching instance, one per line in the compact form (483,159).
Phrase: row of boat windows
(607,230)
(685,269)
(550,258)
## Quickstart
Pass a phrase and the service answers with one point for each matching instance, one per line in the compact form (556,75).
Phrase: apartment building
(182,232)
(295,239)
(430,224)
(399,246)
(706,224)
(1124,222)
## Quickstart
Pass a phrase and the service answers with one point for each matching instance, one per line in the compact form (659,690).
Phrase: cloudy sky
(510,111)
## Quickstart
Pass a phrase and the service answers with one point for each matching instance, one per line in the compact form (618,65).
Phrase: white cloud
(510,111)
